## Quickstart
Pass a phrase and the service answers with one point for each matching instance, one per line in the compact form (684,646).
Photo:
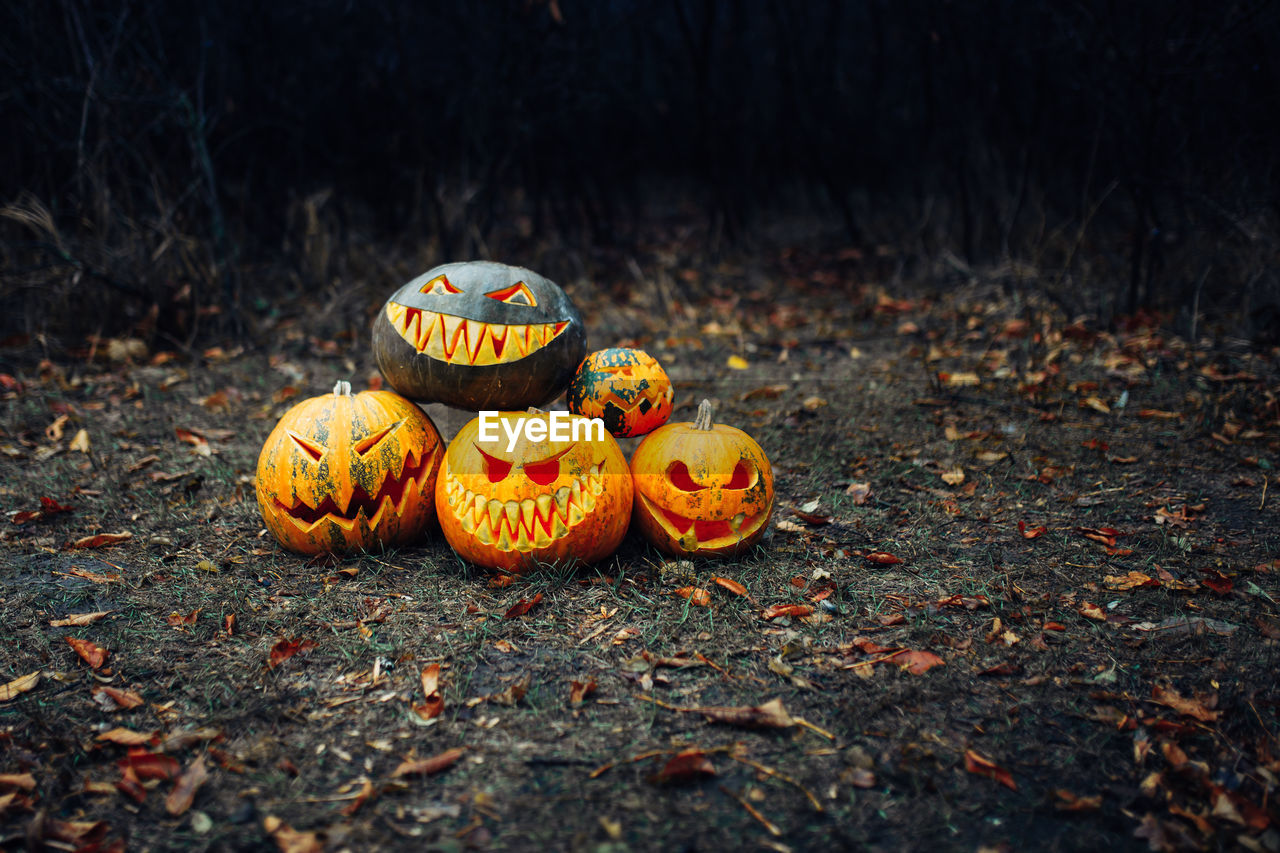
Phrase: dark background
(158,155)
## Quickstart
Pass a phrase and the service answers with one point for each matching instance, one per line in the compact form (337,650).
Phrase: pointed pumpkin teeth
(474,332)
(575,493)
(735,523)
(575,514)
(562,500)
(544,506)
(453,330)
(513,514)
(495,514)
(497,341)
(527,508)
(516,340)
(558,528)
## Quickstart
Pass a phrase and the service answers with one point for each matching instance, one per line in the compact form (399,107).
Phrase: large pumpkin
(345,472)
(510,504)
(479,335)
(702,489)
(626,388)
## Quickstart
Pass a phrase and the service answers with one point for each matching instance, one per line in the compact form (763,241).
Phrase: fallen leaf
(122,700)
(514,693)
(580,690)
(18,781)
(696,595)
(433,703)
(1132,580)
(770,715)
(429,766)
(150,765)
(737,362)
(732,586)
(1091,611)
(366,792)
(1069,802)
(285,649)
(80,444)
(125,737)
(102,540)
(521,607)
(290,840)
(881,558)
(1170,698)
(985,767)
(858,492)
(90,653)
(917,662)
(19,685)
(177,619)
(954,477)
(1031,532)
(199,444)
(76,620)
(184,790)
(687,766)
(777,610)
(812,518)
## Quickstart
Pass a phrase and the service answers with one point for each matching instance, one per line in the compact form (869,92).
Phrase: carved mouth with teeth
(527,524)
(695,533)
(392,496)
(458,340)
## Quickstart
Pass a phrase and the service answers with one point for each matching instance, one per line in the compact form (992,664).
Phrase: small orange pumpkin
(562,498)
(626,388)
(345,473)
(702,489)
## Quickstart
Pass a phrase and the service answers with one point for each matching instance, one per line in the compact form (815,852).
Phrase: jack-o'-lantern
(344,472)
(479,335)
(626,388)
(702,489)
(521,488)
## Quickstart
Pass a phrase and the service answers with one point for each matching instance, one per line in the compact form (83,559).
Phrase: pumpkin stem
(342,388)
(703,418)
(534,410)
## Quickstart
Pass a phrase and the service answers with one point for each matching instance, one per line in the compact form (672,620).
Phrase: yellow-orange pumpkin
(702,489)
(626,388)
(539,501)
(344,472)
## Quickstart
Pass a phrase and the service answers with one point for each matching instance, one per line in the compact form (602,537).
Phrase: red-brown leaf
(687,766)
(917,662)
(522,607)
(981,766)
(102,540)
(1192,707)
(150,765)
(123,699)
(580,690)
(90,653)
(881,558)
(786,610)
(285,649)
(732,586)
(184,790)
(429,766)
(19,685)
(1031,532)
(696,595)
(433,703)
(770,715)
(125,737)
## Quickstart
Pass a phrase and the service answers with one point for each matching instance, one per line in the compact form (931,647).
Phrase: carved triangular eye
(494,468)
(312,450)
(364,445)
(545,471)
(743,477)
(438,286)
(678,474)
(517,294)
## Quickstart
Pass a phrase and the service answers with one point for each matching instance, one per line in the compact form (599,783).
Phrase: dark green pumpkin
(479,335)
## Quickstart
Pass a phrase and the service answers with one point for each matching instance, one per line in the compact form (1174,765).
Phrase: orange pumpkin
(626,388)
(344,472)
(702,489)
(512,504)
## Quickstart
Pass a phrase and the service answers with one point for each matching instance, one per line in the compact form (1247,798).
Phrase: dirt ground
(1034,568)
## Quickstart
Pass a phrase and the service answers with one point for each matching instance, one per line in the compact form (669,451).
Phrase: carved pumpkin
(702,489)
(626,388)
(510,506)
(344,473)
(479,335)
